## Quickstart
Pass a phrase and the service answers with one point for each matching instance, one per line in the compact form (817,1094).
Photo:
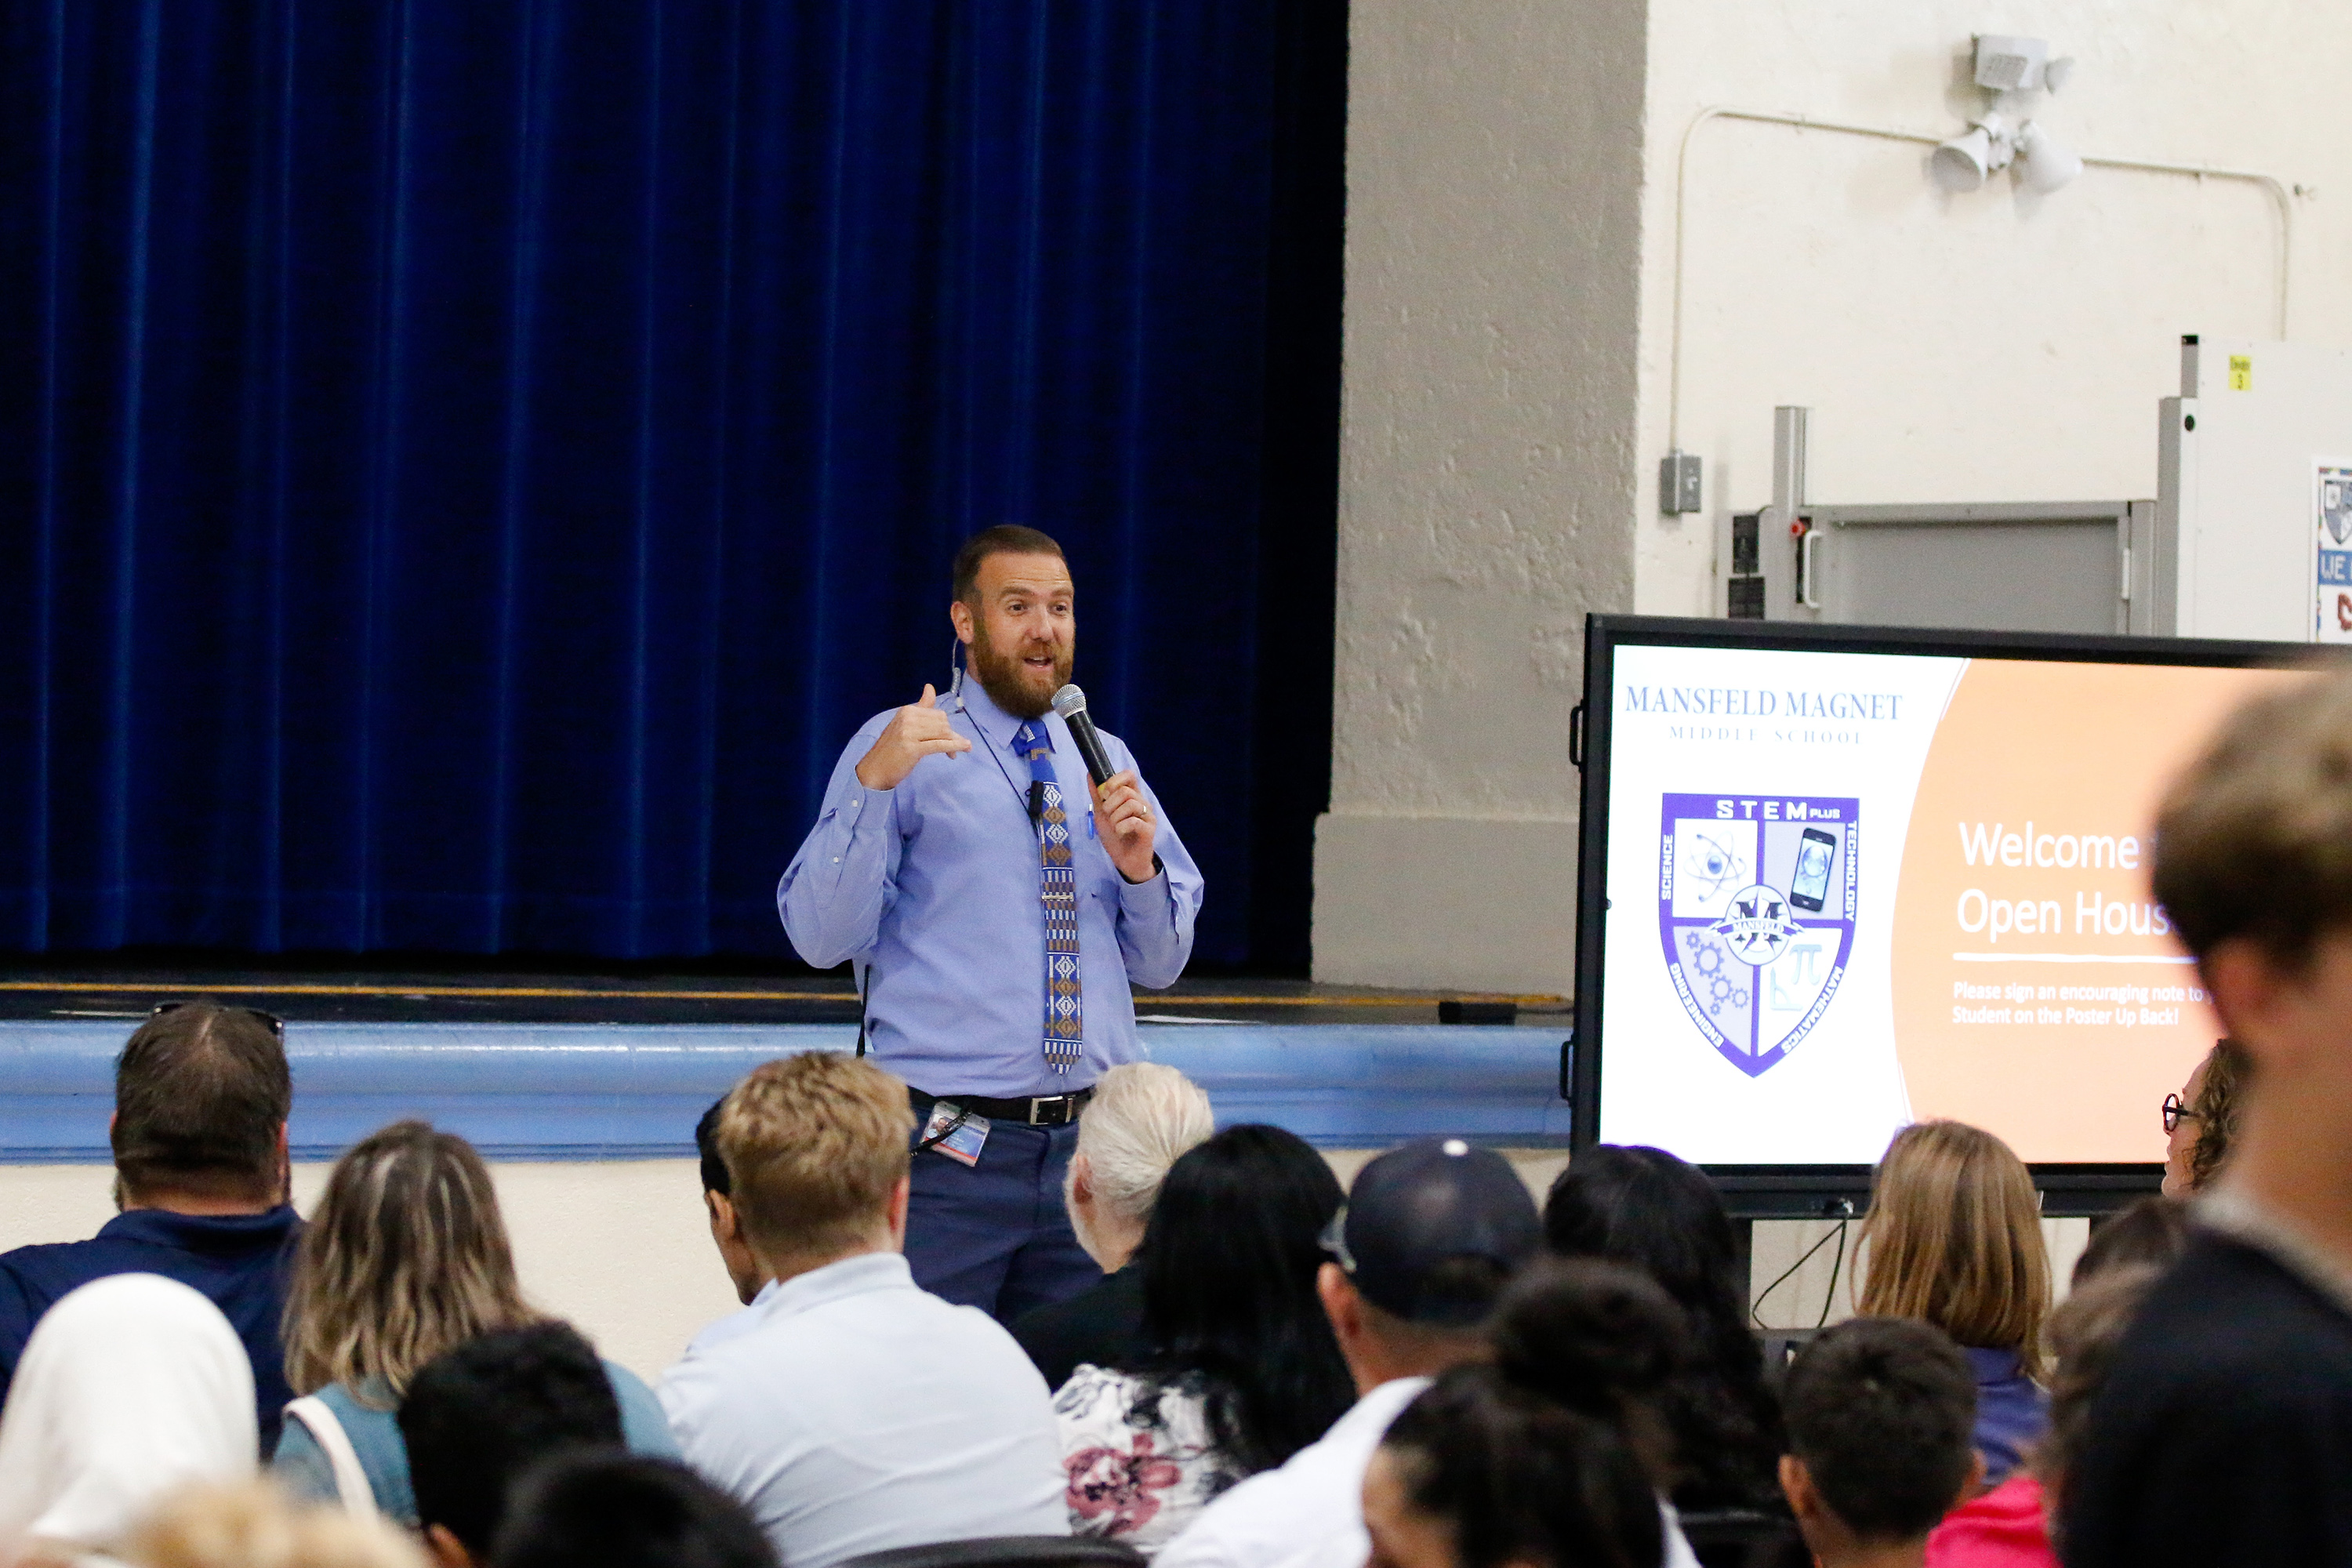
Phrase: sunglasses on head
(276,1024)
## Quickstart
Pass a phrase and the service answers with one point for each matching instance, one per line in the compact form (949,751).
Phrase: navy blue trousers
(995,1236)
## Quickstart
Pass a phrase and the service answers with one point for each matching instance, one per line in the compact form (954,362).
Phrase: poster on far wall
(2331,531)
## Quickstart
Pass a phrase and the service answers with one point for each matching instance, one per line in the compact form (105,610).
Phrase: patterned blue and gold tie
(1058,890)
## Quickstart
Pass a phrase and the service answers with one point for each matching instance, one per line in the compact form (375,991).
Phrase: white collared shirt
(718,1331)
(1314,1501)
(1309,1512)
(852,1413)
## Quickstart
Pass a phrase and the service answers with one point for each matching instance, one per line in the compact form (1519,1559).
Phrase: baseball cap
(1418,1208)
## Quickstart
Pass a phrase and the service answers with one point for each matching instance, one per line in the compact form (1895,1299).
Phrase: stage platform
(537,1067)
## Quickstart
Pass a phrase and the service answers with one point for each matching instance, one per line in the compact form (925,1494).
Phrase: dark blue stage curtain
(466,468)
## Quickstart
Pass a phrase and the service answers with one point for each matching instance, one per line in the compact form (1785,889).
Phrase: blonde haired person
(1954,1238)
(256,1525)
(404,1258)
(1142,1118)
(855,1413)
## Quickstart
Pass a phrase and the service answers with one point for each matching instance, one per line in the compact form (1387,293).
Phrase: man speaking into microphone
(996,896)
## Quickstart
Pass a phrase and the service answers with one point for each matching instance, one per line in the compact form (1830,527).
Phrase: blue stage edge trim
(589,1092)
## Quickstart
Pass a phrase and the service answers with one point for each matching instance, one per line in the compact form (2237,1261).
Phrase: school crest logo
(1756,903)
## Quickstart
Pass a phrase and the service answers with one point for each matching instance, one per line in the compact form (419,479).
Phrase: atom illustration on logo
(1756,926)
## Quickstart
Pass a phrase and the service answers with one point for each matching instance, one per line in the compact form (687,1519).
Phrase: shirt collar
(222,1233)
(2242,1217)
(994,721)
(867,1273)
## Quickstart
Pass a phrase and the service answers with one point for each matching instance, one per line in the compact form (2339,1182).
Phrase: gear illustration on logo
(1707,960)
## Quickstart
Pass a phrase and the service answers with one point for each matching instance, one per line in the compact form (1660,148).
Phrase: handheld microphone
(1071,704)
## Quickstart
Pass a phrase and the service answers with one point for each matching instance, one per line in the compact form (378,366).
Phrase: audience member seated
(1604,1341)
(744,1272)
(618,1511)
(478,1418)
(1242,1371)
(857,1413)
(2011,1526)
(1477,1473)
(405,1257)
(200,1094)
(2150,1232)
(2202,1120)
(1430,1234)
(1954,1238)
(132,1387)
(1143,1116)
(2222,1432)
(1647,1208)
(1880,1413)
(256,1525)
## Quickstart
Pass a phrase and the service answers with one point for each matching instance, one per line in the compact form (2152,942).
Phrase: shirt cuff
(1142,898)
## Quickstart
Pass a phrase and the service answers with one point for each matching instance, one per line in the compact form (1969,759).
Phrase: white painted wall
(1488,464)
(1510,240)
(1993,346)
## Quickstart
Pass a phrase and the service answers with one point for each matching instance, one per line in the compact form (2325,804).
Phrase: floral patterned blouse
(1139,1456)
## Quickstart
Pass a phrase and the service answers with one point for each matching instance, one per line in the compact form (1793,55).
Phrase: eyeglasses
(276,1024)
(2174,1111)
(1334,1240)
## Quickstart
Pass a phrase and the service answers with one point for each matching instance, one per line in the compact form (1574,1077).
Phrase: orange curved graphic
(2037,990)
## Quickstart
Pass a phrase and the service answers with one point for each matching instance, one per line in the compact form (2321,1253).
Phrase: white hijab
(131,1387)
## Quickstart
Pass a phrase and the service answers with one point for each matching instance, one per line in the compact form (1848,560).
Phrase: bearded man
(995,906)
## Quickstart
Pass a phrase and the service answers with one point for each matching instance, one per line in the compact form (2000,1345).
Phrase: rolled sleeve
(832,895)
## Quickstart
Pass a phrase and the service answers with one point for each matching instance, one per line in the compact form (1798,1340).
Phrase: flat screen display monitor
(1836,879)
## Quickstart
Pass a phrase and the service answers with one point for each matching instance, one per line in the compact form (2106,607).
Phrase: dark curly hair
(1647,1209)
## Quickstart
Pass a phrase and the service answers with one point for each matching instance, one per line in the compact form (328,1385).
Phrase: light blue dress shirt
(934,884)
(858,1413)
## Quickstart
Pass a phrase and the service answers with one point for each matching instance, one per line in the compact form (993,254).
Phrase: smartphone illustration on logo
(1810,887)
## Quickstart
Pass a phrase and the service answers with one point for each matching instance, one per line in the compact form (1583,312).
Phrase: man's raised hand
(914,732)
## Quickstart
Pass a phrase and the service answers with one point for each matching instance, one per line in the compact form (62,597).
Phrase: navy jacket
(240,1261)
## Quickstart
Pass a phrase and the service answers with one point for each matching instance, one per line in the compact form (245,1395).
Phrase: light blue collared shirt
(718,1331)
(934,884)
(856,1413)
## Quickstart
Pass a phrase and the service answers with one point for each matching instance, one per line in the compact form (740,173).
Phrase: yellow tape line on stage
(108,987)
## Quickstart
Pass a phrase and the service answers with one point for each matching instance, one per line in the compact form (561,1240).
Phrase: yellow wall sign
(2241,372)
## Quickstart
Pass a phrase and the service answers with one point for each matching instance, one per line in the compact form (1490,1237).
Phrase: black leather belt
(1037,1110)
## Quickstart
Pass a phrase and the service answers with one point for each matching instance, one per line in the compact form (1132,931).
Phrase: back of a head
(1882,1411)
(481,1415)
(131,1386)
(2149,1233)
(201,1095)
(2085,1332)
(814,1143)
(1229,1263)
(2253,840)
(627,1511)
(705,1149)
(256,1525)
(1434,1229)
(1645,1209)
(1513,1478)
(2228,1072)
(405,1255)
(1954,1237)
(1598,1338)
(1142,1117)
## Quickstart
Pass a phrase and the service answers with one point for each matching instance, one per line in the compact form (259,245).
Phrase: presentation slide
(1848,891)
